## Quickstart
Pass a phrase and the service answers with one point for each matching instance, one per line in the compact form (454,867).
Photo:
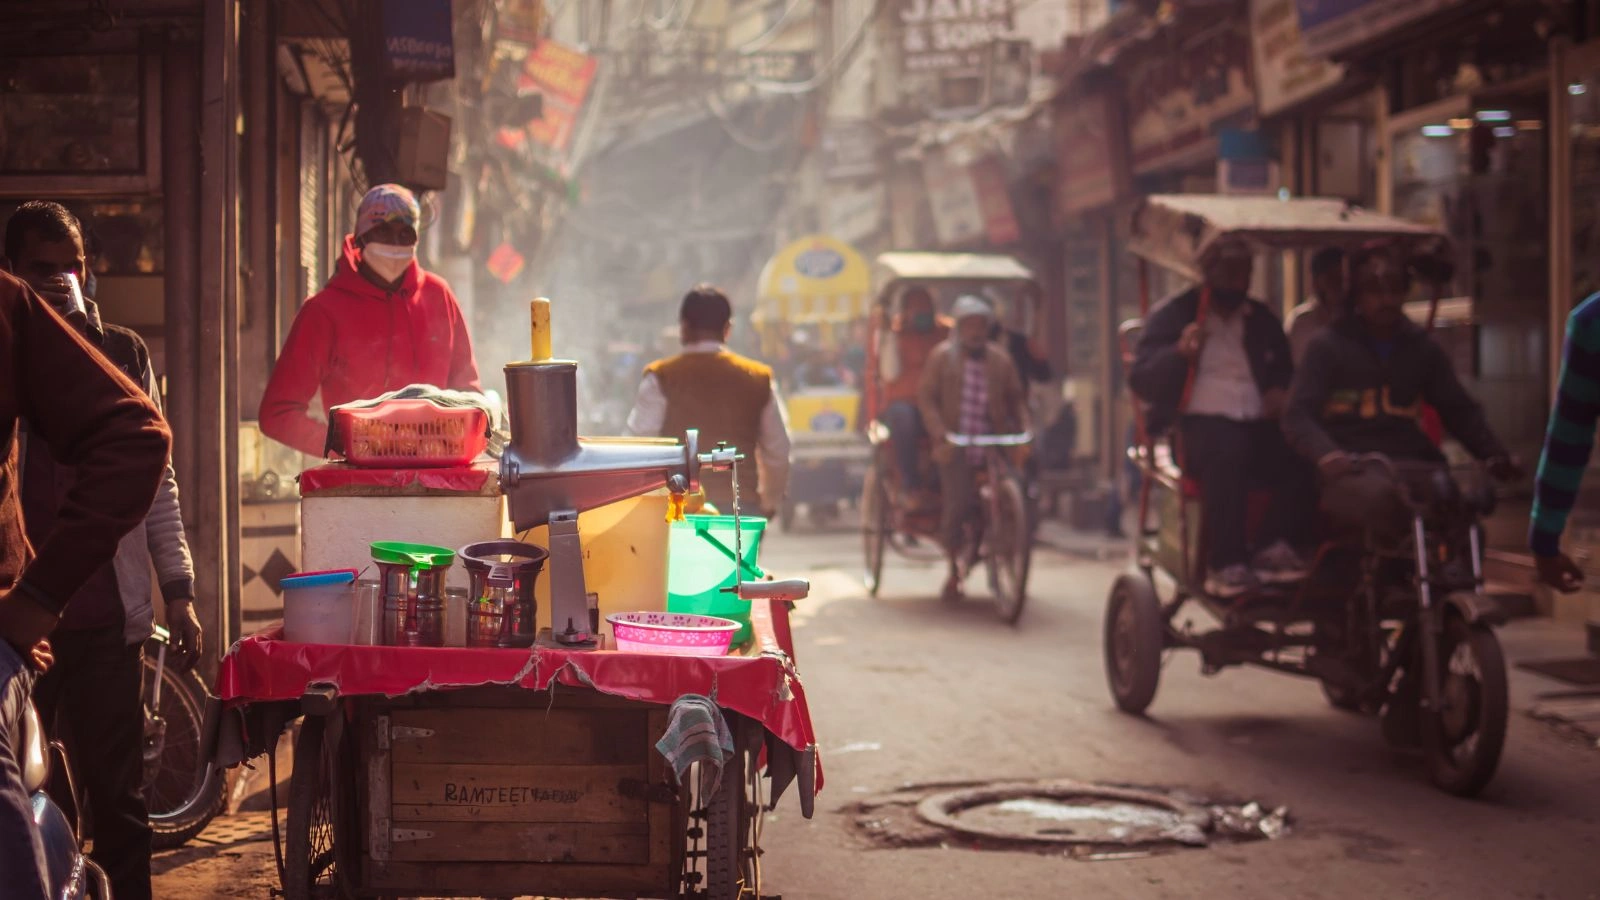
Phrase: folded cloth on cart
(697,732)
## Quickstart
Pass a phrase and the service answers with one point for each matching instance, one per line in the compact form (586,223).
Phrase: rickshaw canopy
(948,267)
(817,279)
(1174,231)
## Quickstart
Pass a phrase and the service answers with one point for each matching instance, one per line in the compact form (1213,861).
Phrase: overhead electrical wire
(756,45)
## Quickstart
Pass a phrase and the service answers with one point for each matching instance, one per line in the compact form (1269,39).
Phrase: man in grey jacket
(93,695)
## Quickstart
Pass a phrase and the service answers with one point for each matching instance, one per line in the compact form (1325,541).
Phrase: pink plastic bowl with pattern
(681,634)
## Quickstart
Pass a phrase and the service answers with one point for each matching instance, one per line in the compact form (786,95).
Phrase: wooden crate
(500,792)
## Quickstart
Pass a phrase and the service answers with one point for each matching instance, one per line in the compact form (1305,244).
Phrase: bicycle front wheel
(182,792)
(1010,548)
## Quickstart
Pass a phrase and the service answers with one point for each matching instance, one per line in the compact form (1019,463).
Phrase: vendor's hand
(186,641)
(1191,341)
(1273,402)
(1335,465)
(1559,572)
(42,656)
(943,452)
(1505,468)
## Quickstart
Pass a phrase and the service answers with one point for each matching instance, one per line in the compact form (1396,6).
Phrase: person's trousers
(959,498)
(94,697)
(1230,458)
(21,854)
(906,432)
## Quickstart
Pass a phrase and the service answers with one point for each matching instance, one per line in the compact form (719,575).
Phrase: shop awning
(950,267)
(815,279)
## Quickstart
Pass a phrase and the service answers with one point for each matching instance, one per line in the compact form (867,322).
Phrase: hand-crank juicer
(549,475)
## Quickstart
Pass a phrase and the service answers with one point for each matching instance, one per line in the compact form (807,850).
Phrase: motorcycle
(69,872)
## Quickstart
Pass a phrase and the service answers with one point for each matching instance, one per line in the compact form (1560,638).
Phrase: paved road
(905,689)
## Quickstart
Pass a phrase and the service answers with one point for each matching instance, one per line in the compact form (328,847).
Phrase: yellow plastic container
(624,557)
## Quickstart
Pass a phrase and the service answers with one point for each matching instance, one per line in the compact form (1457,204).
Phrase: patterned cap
(387,203)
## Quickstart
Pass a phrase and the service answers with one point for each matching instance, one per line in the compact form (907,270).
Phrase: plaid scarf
(974,403)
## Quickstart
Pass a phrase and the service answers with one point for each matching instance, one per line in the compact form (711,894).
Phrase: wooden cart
(538,783)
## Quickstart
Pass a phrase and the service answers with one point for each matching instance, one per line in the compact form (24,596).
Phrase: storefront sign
(1091,165)
(994,201)
(957,216)
(1176,98)
(950,35)
(417,44)
(563,76)
(849,150)
(1334,26)
(1285,73)
(854,213)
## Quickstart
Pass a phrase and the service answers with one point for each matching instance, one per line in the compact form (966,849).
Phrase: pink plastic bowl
(676,633)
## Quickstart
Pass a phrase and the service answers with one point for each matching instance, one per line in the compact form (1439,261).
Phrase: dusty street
(906,690)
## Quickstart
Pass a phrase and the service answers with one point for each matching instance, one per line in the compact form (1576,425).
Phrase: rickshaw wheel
(875,526)
(311,854)
(1009,551)
(1463,740)
(1134,640)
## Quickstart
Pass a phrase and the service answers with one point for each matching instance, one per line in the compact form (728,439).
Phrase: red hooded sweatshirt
(355,340)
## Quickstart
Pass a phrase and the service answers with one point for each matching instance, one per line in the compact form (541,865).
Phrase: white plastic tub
(319,607)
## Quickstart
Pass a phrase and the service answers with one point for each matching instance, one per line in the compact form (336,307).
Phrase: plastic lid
(417,556)
(318,579)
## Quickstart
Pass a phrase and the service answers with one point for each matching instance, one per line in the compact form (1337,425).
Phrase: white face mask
(389,261)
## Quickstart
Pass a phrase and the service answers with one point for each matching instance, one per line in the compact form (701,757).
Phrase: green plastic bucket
(700,557)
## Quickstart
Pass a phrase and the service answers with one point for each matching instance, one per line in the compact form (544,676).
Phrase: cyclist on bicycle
(970,386)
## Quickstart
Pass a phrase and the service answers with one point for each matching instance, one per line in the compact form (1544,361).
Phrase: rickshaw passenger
(969,387)
(1361,391)
(1307,320)
(917,331)
(1227,418)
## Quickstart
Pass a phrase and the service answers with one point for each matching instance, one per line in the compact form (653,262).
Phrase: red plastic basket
(411,433)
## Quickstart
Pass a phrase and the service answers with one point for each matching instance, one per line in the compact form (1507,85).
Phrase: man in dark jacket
(1215,363)
(92,697)
(1360,390)
(92,418)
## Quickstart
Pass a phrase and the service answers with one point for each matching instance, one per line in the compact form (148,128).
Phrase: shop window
(126,237)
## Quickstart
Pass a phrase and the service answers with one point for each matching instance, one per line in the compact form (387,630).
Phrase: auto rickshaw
(812,293)
(1002,538)
(1405,633)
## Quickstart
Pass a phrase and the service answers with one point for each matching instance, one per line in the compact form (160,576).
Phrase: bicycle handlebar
(989,440)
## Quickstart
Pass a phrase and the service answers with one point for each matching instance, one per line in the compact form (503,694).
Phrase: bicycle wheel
(182,791)
(1009,549)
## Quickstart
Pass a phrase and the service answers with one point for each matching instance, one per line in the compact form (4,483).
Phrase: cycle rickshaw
(1002,536)
(1404,632)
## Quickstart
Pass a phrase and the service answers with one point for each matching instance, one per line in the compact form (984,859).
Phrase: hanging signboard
(562,76)
(1285,73)
(957,216)
(417,44)
(1176,99)
(1334,26)
(1091,164)
(950,35)
(849,149)
(994,201)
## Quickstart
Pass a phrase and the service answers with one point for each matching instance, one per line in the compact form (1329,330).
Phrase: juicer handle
(791,590)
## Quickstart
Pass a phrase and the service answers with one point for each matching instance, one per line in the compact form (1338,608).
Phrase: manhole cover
(1067,813)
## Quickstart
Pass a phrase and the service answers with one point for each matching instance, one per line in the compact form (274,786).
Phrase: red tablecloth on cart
(765,688)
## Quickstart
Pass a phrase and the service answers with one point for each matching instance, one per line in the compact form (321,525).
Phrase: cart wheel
(1134,639)
(730,865)
(875,528)
(1009,551)
(1464,738)
(311,870)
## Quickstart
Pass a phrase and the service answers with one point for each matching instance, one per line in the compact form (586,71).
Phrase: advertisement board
(1285,73)
(563,76)
(950,35)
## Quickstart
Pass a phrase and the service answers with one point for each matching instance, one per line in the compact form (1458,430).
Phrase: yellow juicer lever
(539,329)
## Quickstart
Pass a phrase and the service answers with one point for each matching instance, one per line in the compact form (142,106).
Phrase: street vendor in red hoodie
(380,324)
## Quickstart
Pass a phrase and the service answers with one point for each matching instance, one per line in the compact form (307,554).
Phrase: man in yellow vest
(729,398)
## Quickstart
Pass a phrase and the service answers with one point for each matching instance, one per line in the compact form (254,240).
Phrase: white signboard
(957,214)
(947,35)
(1285,73)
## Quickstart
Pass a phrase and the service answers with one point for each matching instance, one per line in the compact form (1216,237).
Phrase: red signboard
(563,76)
(994,200)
